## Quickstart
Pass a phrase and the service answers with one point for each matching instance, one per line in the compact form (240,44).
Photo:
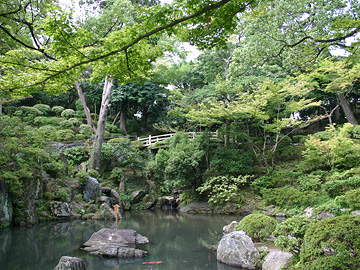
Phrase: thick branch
(138,39)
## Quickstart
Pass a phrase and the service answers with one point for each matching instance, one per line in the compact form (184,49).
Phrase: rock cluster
(116,243)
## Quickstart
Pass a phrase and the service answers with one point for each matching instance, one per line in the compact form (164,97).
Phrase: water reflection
(177,240)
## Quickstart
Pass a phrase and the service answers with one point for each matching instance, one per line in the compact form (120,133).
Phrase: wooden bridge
(151,140)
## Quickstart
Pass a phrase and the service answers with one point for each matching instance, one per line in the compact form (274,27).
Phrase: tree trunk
(123,119)
(227,133)
(347,110)
(83,102)
(94,163)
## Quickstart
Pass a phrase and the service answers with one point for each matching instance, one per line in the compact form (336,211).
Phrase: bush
(45,109)
(65,124)
(48,132)
(310,182)
(77,154)
(232,161)
(289,197)
(116,174)
(257,226)
(86,130)
(41,121)
(223,189)
(65,135)
(76,122)
(30,111)
(350,199)
(82,178)
(112,128)
(57,110)
(68,113)
(332,243)
(338,187)
(290,233)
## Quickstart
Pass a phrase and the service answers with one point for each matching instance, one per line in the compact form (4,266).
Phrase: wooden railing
(151,140)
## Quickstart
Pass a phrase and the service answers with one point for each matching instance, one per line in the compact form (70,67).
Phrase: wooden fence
(150,140)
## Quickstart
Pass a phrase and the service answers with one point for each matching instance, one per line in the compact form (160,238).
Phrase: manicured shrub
(30,111)
(57,110)
(48,132)
(332,243)
(41,121)
(290,233)
(257,226)
(76,122)
(77,154)
(68,113)
(86,130)
(65,135)
(45,109)
(65,124)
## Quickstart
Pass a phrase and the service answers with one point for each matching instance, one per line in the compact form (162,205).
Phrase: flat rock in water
(116,243)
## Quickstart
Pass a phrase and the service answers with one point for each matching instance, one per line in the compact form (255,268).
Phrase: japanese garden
(214,134)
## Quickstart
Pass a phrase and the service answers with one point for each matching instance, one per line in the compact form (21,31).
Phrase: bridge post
(149,140)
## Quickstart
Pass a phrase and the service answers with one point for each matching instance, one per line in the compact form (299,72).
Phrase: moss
(332,243)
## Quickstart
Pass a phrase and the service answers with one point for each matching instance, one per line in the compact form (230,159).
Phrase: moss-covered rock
(257,226)
(332,243)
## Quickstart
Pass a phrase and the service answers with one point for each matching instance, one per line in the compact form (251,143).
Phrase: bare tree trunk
(94,163)
(347,110)
(123,119)
(83,102)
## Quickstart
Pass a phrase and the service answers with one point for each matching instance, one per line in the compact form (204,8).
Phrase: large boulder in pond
(6,209)
(276,260)
(237,249)
(92,190)
(70,263)
(116,243)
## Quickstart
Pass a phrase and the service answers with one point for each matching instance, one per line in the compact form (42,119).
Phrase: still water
(180,241)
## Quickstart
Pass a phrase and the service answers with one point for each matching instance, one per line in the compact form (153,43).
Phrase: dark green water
(180,241)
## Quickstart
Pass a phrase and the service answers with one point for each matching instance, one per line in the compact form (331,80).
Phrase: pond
(178,241)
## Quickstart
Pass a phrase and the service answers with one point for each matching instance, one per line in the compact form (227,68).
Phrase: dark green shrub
(112,128)
(116,175)
(332,243)
(82,178)
(257,226)
(290,233)
(77,154)
(62,195)
(68,113)
(289,197)
(338,187)
(232,161)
